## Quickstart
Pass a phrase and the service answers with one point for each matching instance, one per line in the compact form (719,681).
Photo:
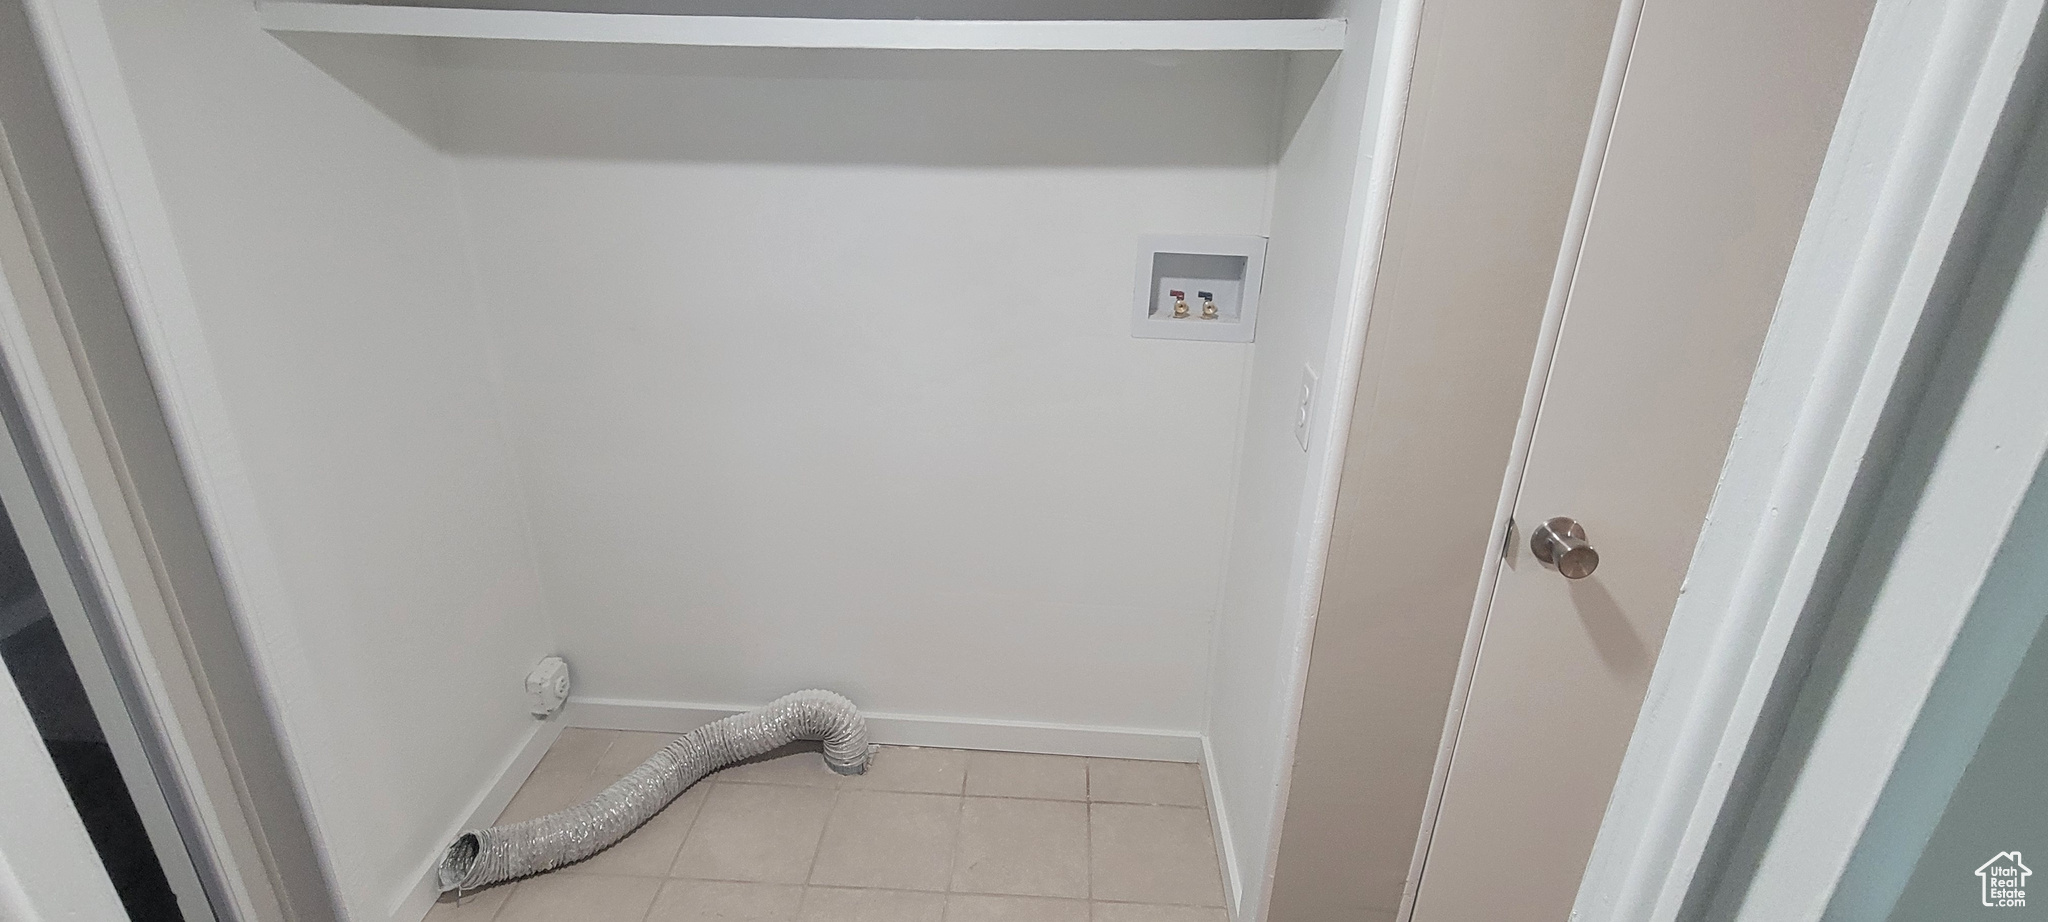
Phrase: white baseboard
(912,730)
(1219,826)
(413,904)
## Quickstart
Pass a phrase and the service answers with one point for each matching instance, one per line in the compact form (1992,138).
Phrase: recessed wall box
(1218,274)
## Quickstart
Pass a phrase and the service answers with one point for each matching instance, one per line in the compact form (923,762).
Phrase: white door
(1722,118)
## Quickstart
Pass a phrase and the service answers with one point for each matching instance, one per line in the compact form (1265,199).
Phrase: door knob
(1561,542)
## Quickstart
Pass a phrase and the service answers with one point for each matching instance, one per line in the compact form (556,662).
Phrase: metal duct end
(457,861)
(855,767)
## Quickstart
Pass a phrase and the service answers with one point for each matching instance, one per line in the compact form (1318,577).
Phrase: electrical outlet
(1304,406)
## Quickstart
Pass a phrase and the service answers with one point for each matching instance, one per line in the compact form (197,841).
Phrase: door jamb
(1846,356)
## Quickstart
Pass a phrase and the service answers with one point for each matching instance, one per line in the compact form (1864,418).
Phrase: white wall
(821,367)
(352,451)
(808,368)
(1284,494)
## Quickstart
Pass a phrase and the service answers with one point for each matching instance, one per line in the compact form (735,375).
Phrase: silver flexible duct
(486,856)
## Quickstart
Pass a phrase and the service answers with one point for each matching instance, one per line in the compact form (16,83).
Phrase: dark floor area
(35,656)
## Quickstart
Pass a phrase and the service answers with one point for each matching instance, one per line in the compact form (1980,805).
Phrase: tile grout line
(597,774)
(831,810)
(906,890)
(688,828)
(959,828)
(1056,800)
(1088,788)
(1088,814)
(959,823)
(1088,854)
(920,892)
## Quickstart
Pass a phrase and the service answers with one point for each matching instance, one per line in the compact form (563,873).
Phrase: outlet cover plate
(1229,267)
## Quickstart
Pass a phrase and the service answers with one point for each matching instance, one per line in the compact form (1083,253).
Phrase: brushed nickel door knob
(1561,542)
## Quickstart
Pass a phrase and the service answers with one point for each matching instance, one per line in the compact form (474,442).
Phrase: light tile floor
(927,835)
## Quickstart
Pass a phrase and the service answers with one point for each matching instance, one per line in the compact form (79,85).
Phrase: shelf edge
(779,32)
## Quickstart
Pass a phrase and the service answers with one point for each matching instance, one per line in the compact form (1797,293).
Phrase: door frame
(1899,207)
(1913,657)
(89,424)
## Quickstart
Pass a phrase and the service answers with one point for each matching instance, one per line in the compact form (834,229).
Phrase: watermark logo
(2004,880)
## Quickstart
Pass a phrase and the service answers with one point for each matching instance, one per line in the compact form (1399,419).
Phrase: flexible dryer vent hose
(486,856)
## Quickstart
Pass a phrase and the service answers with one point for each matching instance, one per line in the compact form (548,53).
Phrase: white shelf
(787,32)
